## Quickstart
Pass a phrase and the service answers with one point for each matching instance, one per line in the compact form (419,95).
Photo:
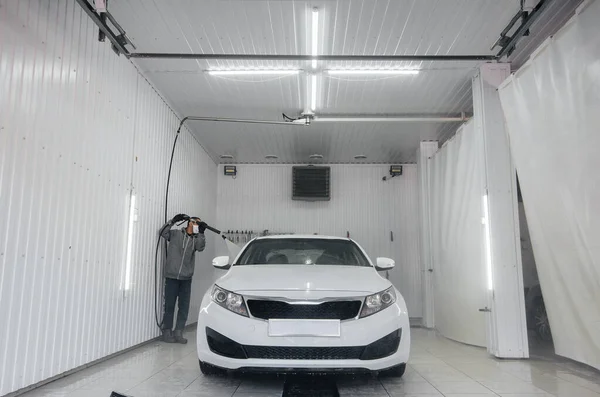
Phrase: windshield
(291,251)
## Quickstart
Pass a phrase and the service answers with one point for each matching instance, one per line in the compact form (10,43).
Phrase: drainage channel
(303,386)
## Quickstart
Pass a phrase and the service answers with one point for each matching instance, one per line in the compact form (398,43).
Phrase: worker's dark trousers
(174,290)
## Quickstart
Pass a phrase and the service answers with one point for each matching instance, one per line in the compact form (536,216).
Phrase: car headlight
(377,302)
(229,300)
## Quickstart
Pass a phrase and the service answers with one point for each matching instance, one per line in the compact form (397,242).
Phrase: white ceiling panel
(346,27)
(357,27)
(442,90)
(200,94)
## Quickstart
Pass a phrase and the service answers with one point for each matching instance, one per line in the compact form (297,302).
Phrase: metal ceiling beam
(531,18)
(266,57)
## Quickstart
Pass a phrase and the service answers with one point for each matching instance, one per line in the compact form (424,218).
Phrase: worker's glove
(179,218)
(202,227)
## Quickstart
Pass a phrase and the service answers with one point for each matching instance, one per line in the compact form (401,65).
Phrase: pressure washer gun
(212,229)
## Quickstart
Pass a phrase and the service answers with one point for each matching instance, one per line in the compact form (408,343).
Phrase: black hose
(159,323)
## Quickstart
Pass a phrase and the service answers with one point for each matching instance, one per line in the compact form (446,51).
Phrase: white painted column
(425,151)
(507,328)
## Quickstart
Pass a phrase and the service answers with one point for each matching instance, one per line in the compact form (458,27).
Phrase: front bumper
(243,343)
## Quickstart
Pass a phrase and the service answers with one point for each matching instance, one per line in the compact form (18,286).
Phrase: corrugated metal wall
(260,198)
(79,127)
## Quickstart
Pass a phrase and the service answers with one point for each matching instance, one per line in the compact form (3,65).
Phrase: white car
(303,304)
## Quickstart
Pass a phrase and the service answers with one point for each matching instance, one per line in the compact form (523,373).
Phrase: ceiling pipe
(266,57)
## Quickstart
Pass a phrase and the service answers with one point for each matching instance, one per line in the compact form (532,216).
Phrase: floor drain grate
(310,386)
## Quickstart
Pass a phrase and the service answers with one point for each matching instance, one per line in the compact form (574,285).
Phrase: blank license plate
(330,328)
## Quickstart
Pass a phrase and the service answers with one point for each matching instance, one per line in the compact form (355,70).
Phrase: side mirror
(384,264)
(221,262)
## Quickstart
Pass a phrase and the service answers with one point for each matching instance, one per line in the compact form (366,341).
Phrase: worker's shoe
(167,336)
(178,335)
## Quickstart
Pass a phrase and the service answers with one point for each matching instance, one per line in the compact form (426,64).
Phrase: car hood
(276,278)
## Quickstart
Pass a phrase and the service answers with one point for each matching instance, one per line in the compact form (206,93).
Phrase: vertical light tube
(488,242)
(313,94)
(127,284)
(315,37)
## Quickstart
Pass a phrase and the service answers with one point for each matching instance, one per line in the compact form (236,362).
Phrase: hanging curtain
(456,183)
(552,111)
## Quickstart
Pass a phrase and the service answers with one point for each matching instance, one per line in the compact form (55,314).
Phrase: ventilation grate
(311,183)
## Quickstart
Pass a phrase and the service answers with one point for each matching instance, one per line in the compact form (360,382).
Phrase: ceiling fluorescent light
(313,94)
(373,71)
(383,118)
(315,37)
(242,72)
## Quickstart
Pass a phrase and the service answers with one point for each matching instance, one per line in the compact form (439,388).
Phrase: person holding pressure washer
(178,272)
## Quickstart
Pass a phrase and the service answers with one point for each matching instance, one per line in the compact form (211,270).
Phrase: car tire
(394,372)
(542,324)
(210,370)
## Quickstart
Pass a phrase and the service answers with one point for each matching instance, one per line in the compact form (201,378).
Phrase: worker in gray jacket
(178,272)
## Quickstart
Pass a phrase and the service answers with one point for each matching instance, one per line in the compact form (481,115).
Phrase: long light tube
(313,94)
(315,37)
(373,71)
(384,119)
(488,242)
(127,285)
(242,72)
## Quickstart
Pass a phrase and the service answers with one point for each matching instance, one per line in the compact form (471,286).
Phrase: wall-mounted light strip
(313,94)
(127,284)
(315,37)
(488,242)
(242,72)
(373,72)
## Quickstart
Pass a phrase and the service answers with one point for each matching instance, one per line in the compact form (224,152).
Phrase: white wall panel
(78,128)
(361,203)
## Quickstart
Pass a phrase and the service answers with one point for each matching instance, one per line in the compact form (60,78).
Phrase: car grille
(383,347)
(304,353)
(334,310)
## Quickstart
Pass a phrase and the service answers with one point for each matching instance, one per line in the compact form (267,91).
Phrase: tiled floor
(438,367)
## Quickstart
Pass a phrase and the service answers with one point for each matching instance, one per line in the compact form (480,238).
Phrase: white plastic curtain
(552,111)
(457,239)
